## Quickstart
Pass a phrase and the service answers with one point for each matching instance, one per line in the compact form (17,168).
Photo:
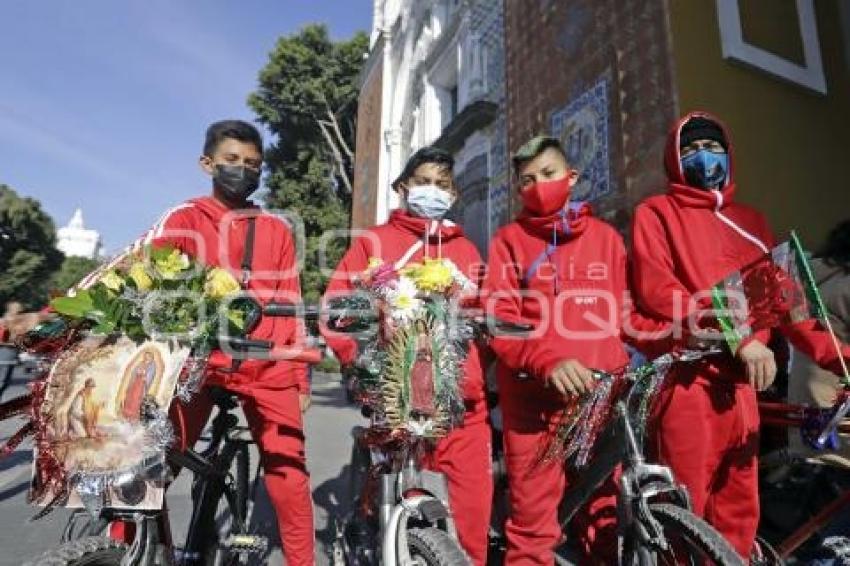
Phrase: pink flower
(384,276)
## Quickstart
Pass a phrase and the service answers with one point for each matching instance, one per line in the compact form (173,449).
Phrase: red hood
(418,226)
(677,185)
(214,209)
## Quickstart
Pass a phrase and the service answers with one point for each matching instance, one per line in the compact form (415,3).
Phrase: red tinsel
(16,439)
(50,477)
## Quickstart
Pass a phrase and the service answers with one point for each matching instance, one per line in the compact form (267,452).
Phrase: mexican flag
(777,289)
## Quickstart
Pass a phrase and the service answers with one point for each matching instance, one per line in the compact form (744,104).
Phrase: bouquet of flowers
(167,295)
(414,360)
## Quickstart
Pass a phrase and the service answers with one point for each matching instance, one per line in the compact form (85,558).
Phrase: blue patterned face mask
(705,169)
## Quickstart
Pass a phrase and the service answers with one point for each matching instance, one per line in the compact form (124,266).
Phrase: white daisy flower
(402,300)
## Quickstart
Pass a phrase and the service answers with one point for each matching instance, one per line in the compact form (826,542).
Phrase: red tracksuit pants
(708,434)
(464,457)
(536,490)
(274,417)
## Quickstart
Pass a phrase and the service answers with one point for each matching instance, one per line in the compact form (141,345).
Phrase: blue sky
(103,103)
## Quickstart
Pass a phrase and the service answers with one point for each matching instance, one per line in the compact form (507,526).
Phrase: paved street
(328,424)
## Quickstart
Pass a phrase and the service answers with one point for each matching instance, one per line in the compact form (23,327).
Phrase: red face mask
(545,198)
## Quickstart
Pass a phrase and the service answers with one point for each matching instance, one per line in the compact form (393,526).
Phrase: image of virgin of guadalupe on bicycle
(94,420)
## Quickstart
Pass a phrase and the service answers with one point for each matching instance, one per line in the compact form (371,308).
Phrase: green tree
(73,269)
(28,254)
(307,97)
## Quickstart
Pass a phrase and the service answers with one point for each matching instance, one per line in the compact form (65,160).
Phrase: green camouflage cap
(534,147)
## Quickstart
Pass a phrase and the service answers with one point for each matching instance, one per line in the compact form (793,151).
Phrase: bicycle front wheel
(433,547)
(690,540)
(89,551)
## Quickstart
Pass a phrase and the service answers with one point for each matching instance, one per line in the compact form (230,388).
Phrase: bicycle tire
(765,555)
(435,547)
(90,551)
(234,458)
(686,534)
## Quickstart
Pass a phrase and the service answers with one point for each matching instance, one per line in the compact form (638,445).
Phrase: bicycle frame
(639,483)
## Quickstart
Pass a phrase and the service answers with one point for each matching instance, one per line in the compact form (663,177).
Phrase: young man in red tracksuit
(685,242)
(564,271)
(415,231)
(214,230)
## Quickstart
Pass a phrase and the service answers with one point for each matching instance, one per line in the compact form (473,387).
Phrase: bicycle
(655,524)
(814,493)
(402,514)
(219,530)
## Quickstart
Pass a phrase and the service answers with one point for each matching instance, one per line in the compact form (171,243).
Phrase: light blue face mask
(705,169)
(429,201)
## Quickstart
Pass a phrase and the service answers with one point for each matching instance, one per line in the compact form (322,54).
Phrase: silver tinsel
(94,487)
(194,372)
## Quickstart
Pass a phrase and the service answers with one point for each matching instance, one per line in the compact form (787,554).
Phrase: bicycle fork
(641,483)
(429,504)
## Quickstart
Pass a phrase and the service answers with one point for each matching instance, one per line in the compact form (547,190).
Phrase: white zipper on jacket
(728,221)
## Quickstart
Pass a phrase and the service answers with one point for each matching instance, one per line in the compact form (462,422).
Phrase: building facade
(609,77)
(437,69)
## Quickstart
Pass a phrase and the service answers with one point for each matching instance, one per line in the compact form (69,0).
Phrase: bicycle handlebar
(291,310)
(486,323)
(266,350)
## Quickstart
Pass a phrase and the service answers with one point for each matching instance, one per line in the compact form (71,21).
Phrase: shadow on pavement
(334,497)
(15,459)
(15,490)
(329,397)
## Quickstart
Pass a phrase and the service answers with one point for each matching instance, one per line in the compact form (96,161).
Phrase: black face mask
(236,181)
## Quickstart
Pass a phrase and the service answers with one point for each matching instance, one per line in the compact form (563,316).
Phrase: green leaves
(28,254)
(77,306)
(71,272)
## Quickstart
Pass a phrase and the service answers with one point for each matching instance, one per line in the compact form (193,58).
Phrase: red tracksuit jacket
(214,235)
(395,241)
(575,300)
(689,239)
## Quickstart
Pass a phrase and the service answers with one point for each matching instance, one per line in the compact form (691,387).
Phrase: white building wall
(439,55)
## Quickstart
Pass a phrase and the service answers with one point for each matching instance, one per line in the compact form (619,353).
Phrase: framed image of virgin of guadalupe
(105,410)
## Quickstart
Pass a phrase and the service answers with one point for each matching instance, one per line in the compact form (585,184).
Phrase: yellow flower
(411,270)
(374,262)
(140,276)
(220,283)
(170,266)
(112,281)
(434,275)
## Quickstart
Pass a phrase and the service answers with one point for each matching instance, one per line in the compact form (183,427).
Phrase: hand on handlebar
(571,379)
